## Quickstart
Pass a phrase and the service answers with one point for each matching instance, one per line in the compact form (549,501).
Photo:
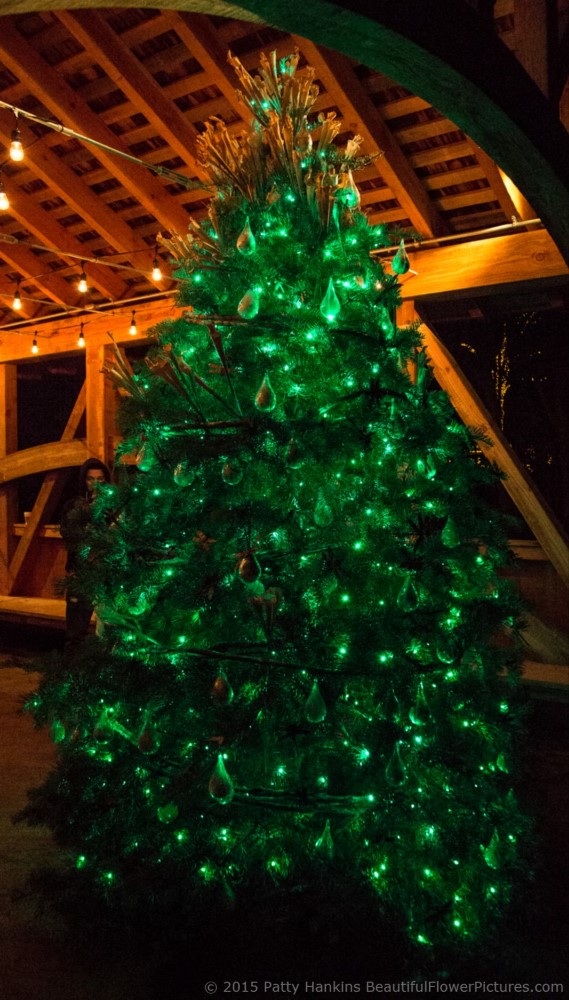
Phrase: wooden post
(100,404)
(8,492)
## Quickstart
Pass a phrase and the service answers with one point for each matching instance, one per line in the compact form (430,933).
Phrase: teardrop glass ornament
(323,515)
(472,660)
(145,458)
(493,850)
(408,597)
(167,813)
(449,535)
(57,731)
(146,741)
(420,713)
(431,467)
(222,692)
(232,471)
(325,843)
(220,785)
(390,706)
(329,584)
(246,242)
(184,474)
(445,650)
(401,263)
(102,730)
(330,306)
(396,772)
(249,304)
(315,706)
(266,398)
(293,455)
(249,568)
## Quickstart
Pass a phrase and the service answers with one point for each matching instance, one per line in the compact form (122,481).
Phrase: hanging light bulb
(35,347)
(156,272)
(17,300)
(16,148)
(81,341)
(82,283)
(132,328)
(4,200)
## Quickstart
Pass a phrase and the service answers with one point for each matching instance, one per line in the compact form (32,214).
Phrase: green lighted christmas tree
(302,677)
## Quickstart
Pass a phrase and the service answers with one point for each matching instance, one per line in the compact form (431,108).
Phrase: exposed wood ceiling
(144,81)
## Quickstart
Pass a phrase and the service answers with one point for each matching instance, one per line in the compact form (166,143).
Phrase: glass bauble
(266,399)
(315,706)
(249,304)
(396,772)
(324,846)
(220,785)
(323,514)
(232,471)
(184,474)
(246,242)
(330,307)
(401,263)
(449,535)
(249,568)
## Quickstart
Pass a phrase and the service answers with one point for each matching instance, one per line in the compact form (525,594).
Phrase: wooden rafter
(62,180)
(336,73)
(197,34)
(29,266)
(51,233)
(93,32)
(67,106)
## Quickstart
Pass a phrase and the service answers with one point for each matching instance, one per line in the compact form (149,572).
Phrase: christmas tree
(307,654)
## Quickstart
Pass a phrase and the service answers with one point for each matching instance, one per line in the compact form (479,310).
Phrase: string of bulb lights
(17,155)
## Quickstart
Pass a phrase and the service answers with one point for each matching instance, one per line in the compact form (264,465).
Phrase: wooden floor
(35,959)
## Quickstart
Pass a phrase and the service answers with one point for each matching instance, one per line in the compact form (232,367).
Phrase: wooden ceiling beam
(130,75)
(28,265)
(59,336)
(77,194)
(197,34)
(442,154)
(484,265)
(51,233)
(56,94)
(336,73)
(449,271)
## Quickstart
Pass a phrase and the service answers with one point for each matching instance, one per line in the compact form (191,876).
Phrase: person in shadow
(75,520)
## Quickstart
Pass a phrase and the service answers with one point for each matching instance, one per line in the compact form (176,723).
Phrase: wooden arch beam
(452,60)
(42,458)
